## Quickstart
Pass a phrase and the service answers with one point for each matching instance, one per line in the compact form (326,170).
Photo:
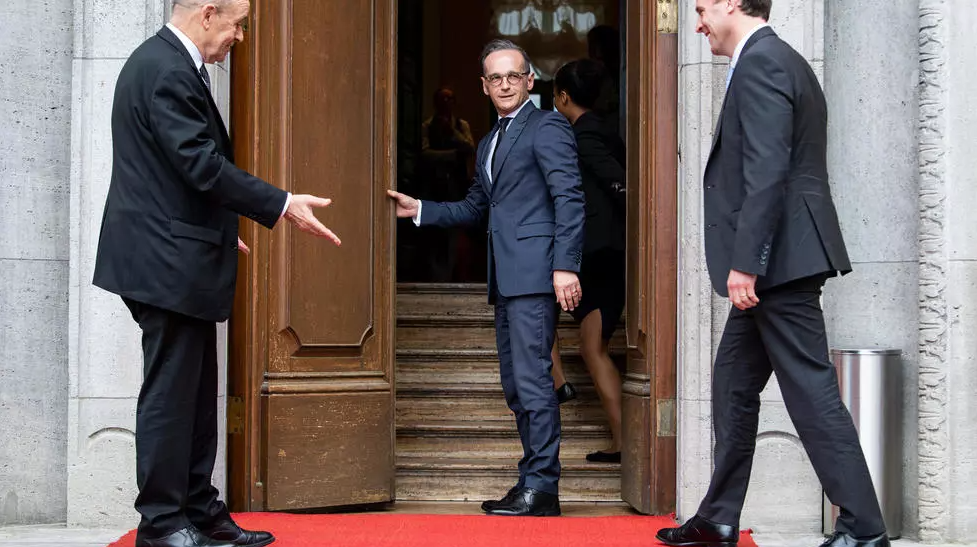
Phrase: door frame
(649,473)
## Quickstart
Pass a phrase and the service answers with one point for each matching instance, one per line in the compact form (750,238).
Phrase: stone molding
(934,323)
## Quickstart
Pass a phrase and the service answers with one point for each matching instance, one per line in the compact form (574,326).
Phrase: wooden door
(311,374)
(648,454)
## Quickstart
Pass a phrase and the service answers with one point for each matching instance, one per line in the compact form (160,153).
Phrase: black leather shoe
(844,540)
(699,532)
(489,505)
(527,502)
(604,457)
(566,392)
(227,531)
(187,537)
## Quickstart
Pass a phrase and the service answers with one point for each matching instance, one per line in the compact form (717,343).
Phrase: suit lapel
(480,163)
(512,133)
(167,35)
(719,127)
(762,33)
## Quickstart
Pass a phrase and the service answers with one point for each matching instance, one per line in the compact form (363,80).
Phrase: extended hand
(406,205)
(300,214)
(742,289)
(242,247)
(567,288)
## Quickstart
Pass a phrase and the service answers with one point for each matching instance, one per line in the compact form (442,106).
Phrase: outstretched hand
(407,206)
(300,214)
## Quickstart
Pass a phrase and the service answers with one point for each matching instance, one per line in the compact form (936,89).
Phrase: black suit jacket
(170,225)
(535,204)
(602,158)
(768,207)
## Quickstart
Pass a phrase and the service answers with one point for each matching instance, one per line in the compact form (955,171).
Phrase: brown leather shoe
(229,532)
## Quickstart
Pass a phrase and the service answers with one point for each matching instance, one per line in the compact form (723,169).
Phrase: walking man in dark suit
(168,247)
(772,239)
(528,183)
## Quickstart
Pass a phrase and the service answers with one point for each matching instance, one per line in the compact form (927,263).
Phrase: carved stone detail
(933,273)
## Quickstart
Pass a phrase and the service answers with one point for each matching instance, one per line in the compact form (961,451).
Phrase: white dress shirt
(488,160)
(198,62)
(739,50)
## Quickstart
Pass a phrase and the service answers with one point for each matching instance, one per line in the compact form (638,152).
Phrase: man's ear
(209,14)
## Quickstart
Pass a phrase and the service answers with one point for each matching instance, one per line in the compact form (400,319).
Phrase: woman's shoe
(604,457)
(565,393)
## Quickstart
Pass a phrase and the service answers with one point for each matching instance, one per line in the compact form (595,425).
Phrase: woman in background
(576,88)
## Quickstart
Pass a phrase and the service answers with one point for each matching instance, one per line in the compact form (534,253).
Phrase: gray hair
(198,3)
(504,45)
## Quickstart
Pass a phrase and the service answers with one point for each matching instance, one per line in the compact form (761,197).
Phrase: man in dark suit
(528,183)
(168,247)
(772,239)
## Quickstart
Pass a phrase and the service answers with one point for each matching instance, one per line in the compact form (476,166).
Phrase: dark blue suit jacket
(535,205)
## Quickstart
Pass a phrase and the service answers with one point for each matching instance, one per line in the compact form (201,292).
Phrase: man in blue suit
(528,183)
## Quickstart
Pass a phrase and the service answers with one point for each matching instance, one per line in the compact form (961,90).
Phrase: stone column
(35,137)
(870,84)
(947,431)
(784,494)
(105,353)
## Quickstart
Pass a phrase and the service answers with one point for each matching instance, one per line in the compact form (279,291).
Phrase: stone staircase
(456,439)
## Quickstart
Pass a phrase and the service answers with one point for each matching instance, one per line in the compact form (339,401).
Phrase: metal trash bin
(870,381)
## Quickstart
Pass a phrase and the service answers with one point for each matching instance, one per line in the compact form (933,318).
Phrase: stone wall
(870,84)
(35,137)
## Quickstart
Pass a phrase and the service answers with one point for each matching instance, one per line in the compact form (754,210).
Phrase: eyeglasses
(495,80)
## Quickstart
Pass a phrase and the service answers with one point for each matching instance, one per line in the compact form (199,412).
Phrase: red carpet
(405,530)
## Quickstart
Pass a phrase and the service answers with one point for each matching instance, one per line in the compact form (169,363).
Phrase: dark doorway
(439,43)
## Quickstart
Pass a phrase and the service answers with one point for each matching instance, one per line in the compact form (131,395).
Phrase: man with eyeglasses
(528,183)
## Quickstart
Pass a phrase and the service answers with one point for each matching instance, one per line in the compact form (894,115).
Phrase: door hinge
(235,415)
(665,417)
(667,16)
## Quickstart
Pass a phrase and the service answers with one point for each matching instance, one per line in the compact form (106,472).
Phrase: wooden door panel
(325,449)
(648,398)
(332,134)
(322,317)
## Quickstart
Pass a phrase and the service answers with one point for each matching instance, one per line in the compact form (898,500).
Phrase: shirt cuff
(288,200)
(417,217)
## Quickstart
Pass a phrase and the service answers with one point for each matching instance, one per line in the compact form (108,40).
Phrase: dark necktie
(205,76)
(503,122)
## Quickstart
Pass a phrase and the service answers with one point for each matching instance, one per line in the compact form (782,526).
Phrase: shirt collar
(516,112)
(742,44)
(198,59)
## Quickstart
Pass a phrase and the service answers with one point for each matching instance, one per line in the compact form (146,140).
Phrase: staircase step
(455,479)
(456,440)
(455,337)
(481,402)
(489,429)
(477,446)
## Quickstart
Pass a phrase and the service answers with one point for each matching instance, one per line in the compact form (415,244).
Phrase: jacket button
(492,204)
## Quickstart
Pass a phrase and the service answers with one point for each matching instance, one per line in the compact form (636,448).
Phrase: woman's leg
(606,378)
(559,378)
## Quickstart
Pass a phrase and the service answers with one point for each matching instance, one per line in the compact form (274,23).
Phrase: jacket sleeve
(598,159)
(179,122)
(467,212)
(766,113)
(556,154)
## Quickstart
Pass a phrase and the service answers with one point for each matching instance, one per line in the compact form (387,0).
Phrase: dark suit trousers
(176,422)
(524,331)
(785,335)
